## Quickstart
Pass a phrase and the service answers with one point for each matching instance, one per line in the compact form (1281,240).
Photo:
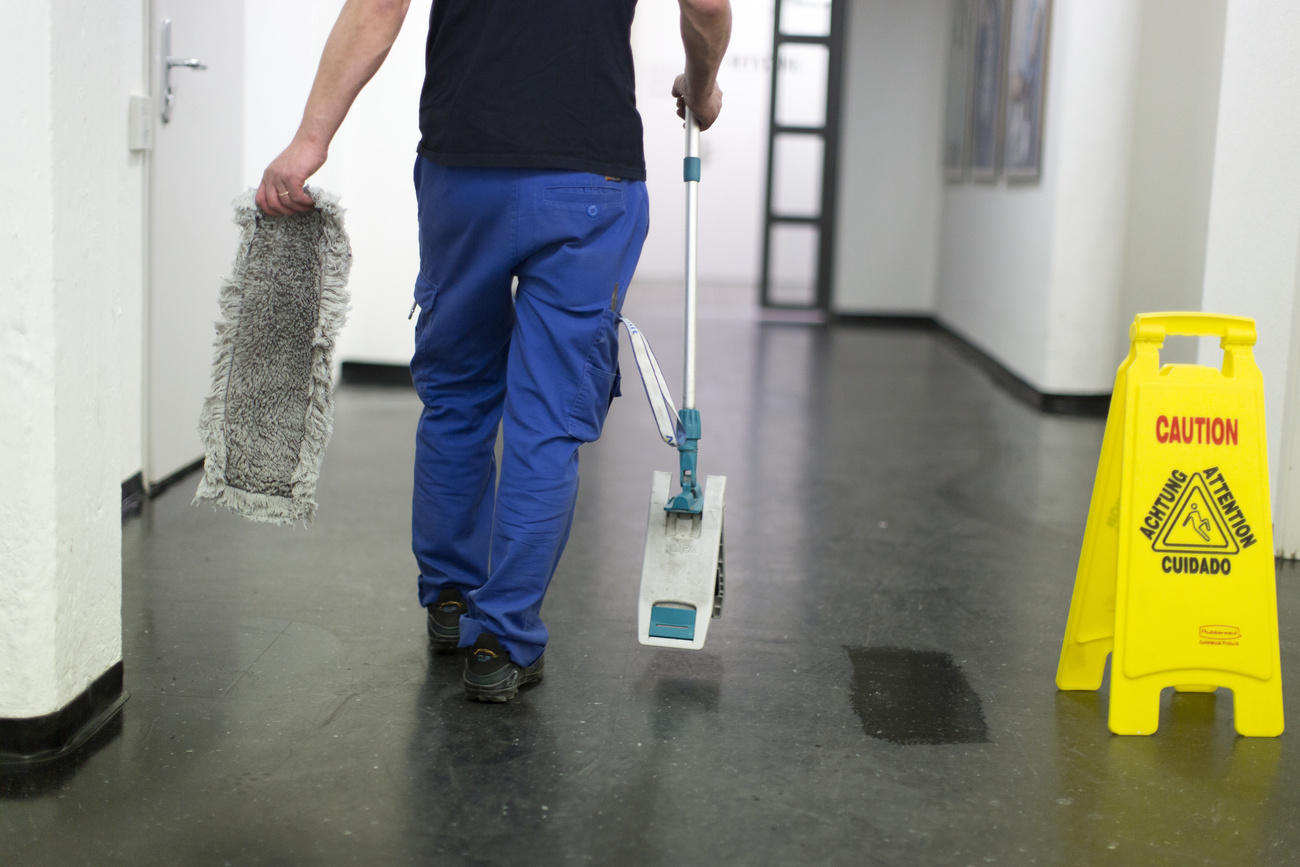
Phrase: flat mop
(682,577)
(269,413)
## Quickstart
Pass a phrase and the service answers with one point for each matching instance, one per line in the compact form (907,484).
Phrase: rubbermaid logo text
(1220,634)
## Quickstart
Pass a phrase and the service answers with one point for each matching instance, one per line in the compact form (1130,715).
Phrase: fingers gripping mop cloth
(269,415)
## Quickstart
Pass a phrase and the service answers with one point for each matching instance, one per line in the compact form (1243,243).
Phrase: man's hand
(706,30)
(705,107)
(281,192)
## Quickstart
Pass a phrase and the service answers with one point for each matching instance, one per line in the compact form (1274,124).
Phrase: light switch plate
(140,123)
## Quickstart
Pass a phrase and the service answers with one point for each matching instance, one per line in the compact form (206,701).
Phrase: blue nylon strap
(691,169)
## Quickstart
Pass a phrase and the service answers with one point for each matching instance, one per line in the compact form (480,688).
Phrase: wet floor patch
(915,697)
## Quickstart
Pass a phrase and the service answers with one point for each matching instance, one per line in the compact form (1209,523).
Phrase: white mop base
(680,568)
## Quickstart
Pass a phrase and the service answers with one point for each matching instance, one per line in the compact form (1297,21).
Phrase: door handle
(168,64)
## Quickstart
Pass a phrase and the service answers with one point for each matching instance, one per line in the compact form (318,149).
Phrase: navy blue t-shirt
(544,84)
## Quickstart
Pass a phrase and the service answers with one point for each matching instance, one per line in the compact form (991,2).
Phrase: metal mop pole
(692,178)
(691,500)
(682,576)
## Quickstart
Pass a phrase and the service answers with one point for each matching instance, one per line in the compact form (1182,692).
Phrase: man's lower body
(542,364)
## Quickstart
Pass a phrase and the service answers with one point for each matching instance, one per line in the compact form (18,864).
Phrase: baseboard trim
(180,475)
(776,314)
(134,493)
(900,321)
(132,496)
(56,735)
(1085,405)
(369,373)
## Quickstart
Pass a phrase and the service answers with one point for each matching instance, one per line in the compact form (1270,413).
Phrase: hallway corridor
(901,538)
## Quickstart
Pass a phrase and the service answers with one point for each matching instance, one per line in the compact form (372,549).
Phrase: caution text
(1164,502)
(1228,504)
(1196,429)
(1196,565)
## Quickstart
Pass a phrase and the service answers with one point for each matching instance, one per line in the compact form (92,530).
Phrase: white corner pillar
(1094,55)
(63,250)
(1252,263)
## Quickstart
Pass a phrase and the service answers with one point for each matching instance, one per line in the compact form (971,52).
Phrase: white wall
(369,164)
(279,74)
(375,152)
(1039,275)
(733,153)
(1253,247)
(1004,245)
(891,192)
(27,559)
(1097,58)
(993,264)
(995,249)
(129,312)
(1042,276)
(1286,461)
(1172,160)
(71,245)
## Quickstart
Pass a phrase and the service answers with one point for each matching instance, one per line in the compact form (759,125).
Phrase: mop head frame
(269,414)
(681,572)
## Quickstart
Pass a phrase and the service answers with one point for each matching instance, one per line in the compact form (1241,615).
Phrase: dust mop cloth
(269,415)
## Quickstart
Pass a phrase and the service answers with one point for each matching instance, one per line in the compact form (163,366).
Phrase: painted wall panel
(891,192)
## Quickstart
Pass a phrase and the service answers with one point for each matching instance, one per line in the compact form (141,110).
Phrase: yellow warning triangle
(1196,524)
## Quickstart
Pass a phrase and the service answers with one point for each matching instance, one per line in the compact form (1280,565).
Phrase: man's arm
(706,30)
(361,38)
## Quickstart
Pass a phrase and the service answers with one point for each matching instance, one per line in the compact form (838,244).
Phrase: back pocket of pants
(592,200)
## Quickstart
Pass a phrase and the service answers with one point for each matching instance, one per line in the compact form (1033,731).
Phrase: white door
(196,174)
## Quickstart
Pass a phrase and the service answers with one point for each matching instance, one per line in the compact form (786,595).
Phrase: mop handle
(691,175)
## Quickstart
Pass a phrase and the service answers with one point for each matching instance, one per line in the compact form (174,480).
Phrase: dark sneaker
(490,675)
(444,620)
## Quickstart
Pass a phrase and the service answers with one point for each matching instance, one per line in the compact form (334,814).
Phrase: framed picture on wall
(1022,143)
(990,50)
(956,125)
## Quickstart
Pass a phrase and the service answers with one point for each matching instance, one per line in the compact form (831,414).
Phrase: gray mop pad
(269,415)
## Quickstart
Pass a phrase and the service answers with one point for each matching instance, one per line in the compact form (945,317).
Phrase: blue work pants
(542,363)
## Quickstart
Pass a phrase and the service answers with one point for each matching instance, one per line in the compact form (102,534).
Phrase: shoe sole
(499,693)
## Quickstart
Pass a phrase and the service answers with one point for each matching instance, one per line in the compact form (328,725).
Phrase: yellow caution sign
(1176,578)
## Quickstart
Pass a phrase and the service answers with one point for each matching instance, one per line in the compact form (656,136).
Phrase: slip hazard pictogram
(1195,524)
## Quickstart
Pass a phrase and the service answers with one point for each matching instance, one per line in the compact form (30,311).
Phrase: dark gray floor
(893,519)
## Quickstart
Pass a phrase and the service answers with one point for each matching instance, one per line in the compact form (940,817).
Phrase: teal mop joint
(691,500)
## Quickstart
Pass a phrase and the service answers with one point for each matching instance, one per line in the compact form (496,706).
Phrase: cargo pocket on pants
(599,385)
(425,350)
